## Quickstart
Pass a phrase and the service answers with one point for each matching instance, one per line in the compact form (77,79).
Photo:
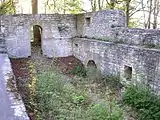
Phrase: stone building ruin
(101,36)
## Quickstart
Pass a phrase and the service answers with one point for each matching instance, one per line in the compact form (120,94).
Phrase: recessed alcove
(88,21)
(127,72)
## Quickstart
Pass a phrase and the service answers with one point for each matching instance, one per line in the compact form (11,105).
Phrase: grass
(145,103)
(59,98)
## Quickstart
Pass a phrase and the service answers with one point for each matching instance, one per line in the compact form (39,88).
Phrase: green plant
(102,111)
(79,99)
(112,81)
(79,71)
(145,103)
(56,98)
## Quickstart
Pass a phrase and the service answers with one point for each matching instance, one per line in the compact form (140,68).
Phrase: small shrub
(112,81)
(102,111)
(146,104)
(79,71)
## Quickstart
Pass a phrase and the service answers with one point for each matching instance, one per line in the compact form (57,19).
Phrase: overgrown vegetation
(7,7)
(113,82)
(79,71)
(58,98)
(145,103)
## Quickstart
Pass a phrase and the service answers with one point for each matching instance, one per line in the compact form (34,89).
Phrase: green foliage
(56,98)
(113,82)
(146,104)
(133,22)
(79,71)
(7,7)
(102,111)
(64,6)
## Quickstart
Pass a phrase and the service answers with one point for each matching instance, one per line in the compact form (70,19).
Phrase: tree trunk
(99,5)
(155,13)
(127,11)
(149,16)
(34,6)
(112,4)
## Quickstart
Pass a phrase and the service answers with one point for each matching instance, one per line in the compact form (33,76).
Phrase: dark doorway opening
(88,21)
(36,38)
(92,64)
(128,72)
(91,70)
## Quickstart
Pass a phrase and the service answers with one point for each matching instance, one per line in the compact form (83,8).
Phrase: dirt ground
(24,70)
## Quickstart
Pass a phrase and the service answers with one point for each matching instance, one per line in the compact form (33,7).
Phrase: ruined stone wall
(2,43)
(54,28)
(110,25)
(96,24)
(135,36)
(111,58)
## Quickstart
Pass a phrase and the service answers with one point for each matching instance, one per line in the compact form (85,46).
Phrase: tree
(93,5)
(111,4)
(150,12)
(64,6)
(127,7)
(7,7)
(156,9)
(34,6)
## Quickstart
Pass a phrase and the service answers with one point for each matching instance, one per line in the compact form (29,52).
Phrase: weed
(79,71)
(56,98)
(102,111)
(112,82)
(145,103)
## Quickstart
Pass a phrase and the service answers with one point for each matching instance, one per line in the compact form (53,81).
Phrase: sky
(24,6)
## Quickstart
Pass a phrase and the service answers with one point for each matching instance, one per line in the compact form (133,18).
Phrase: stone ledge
(15,106)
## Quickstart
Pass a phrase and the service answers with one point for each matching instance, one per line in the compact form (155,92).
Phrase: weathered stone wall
(135,36)
(58,47)
(55,27)
(2,44)
(96,24)
(110,25)
(111,58)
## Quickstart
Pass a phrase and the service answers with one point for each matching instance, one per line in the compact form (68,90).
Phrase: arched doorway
(92,71)
(91,64)
(36,39)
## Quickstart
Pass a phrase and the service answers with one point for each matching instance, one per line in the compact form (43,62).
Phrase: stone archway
(92,71)
(92,64)
(36,38)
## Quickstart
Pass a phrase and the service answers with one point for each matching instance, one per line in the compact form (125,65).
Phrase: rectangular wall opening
(127,72)
(88,21)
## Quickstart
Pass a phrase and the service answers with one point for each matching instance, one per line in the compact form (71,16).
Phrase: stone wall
(123,51)
(112,58)
(55,27)
(2,44)
(110,25)
(135,36)
(96,24)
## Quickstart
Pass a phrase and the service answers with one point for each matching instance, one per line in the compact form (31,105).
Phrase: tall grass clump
(145,103)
